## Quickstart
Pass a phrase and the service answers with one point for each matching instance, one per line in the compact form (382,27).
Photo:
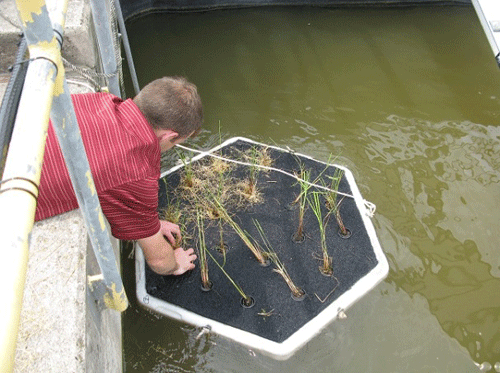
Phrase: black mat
(275,315)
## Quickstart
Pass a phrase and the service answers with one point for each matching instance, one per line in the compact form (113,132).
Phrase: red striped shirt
(124,157)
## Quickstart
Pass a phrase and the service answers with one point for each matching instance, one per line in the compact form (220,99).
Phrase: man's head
(172,106)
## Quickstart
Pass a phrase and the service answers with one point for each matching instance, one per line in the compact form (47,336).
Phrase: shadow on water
(409,100)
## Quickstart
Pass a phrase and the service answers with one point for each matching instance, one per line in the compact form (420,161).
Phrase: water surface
(409,100)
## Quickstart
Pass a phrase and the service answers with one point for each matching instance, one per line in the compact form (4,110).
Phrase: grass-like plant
(331,196)
(256,251)
(248,187)
(280,267)
(343,230)
(172,213)
(332,202)
(202,253)
(222,248)
(221,170)
(247,300)
(253,172)
(315,204)
(303,180)
(188,169)
(264,158)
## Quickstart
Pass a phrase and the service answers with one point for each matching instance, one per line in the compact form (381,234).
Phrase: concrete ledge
(62,329)
(78,45)
(52,330)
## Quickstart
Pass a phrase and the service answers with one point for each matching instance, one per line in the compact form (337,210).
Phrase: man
(123,141)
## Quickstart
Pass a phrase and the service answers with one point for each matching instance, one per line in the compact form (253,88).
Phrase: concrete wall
(131,8)
(62,328)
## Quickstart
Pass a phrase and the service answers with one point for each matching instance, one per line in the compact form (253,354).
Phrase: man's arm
(162,258)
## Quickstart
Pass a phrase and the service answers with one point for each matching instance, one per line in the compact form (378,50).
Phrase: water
(409,100)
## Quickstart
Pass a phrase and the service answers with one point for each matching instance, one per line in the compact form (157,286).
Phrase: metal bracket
(204,330)
(97,288)
(495,26)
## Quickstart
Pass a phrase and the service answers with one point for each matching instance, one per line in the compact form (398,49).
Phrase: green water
(410,100)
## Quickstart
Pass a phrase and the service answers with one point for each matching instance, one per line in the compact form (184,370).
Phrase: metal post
(126,46)
(110,291)
(100,14)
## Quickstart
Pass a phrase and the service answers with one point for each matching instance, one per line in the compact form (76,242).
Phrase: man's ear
(168,135)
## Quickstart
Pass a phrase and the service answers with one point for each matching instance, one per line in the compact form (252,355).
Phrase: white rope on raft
(370,207)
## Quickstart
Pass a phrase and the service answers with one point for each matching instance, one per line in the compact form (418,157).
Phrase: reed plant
(223,213)
(332,202)
(333,185)
(188,169)
(301,199)
(247,300)
(253,172)
(248,186)
(264,158)
(202,253)
(315,204)
(344,232)
(222,245)
(280,267)
(172,213)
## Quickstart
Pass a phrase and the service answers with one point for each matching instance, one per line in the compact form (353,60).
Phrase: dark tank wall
(131,8)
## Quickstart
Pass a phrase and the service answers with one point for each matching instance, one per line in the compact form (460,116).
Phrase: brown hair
(171,103)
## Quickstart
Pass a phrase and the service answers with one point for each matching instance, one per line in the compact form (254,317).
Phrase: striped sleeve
(131,209)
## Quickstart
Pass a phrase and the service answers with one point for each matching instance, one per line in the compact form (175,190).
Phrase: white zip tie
(370,207)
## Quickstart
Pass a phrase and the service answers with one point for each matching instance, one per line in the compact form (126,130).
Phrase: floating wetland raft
(246,210)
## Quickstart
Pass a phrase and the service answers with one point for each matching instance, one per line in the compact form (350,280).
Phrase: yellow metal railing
(22,173)
(45,88)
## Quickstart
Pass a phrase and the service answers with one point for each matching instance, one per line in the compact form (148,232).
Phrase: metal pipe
(23,167)
(126,46)
(111,292)
(100,14)
(17,205)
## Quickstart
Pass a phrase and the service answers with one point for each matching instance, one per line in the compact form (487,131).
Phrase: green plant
(172,213)
(315,204)
(222,246)
(343,230)
(202,253)
(248,187)
(254,170)
(256,251)
(264,158)
(247,300)
(188,169)
(280,267)
(331,197)
(305,185)
(333,186)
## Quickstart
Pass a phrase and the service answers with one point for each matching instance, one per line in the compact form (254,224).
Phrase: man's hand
(184,259)
(172,232)
(164,258)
